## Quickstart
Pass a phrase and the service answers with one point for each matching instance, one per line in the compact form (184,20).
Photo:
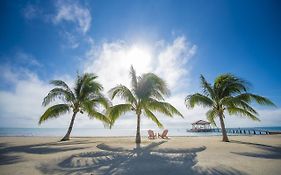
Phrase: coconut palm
(85,97)
(147,95)
(228,93)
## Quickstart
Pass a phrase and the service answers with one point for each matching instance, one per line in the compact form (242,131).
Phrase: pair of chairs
(152,135)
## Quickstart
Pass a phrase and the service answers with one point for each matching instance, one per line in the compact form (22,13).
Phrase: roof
(200,122)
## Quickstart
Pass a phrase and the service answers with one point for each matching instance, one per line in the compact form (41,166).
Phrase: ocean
(101,132)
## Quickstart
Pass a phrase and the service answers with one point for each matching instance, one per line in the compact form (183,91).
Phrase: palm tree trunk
(67,135)
(138,137)
(224,134)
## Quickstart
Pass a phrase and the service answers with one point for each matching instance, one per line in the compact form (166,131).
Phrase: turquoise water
(106,132)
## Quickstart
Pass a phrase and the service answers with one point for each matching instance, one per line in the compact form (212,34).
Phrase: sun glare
(140,58)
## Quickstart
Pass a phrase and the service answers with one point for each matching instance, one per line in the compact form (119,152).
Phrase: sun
(140,57)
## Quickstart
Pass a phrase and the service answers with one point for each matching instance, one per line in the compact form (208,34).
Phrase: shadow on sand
(7,152)
(270,152)
(142,160)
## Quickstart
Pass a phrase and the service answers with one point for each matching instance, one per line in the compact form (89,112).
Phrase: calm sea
(106,132)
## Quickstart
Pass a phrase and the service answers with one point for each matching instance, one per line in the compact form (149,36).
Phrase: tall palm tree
(228,93)
(85,97)
(147,95)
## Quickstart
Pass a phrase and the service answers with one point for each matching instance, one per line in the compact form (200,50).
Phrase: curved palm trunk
(67,135)
(224,134)
(138,137)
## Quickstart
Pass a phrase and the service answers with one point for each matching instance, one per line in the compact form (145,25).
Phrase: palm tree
(86,97)
(147,95)
(228,93)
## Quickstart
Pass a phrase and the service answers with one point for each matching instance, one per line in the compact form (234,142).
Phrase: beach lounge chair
(151,134)
(164,134)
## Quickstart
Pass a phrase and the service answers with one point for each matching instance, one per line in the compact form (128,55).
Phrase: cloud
(22,105)
(112,61)
(31,12)
(75,13)
(20,102)
(26,59)
(72,19)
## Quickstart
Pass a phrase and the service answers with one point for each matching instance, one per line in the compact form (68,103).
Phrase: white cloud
(24,102)
(20,104)
(112,61)
(75,13)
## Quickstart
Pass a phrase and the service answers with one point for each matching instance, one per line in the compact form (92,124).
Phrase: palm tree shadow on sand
(139,161)
(268,152)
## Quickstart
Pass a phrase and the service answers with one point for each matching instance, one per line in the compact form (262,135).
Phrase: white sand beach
(120,155)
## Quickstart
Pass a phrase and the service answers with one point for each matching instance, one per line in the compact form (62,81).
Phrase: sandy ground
(119,155)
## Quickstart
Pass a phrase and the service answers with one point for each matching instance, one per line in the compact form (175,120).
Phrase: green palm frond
(101,99)
(88,86)
(54,112)
(261,100)
(122,92)
(242,112)
(87,97)
(211,115)
(58,93)
(198,99)
(116,111)
(60,83)
(150,85)
(207,88)
(158,83)
(162,107)
(228,84)
(93,114)
(150,115)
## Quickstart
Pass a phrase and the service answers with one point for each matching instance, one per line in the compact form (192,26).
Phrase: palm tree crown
(147,95)
(228,93)
(86,97)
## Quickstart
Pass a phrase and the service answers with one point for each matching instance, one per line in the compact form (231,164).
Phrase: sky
(178,40)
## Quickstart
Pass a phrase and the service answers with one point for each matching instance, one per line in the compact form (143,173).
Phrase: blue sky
(43,40)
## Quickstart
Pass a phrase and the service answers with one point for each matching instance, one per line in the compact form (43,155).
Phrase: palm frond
(58,93)
(198,99)
(93,114)
(162,107)
(150,85)
(60,83)
(207,88)
(89,86)
(122,92)
(116,111)
(261,100)
(228,84)
(102,100)
(54,112)
(241,112)
(211,115)
(150,115)
(133,76)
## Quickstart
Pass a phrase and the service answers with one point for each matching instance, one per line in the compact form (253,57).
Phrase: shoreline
(145,137)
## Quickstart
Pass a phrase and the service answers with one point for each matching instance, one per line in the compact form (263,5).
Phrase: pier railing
(246,131)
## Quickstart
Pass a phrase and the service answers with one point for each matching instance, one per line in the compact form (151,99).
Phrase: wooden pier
(246,131)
